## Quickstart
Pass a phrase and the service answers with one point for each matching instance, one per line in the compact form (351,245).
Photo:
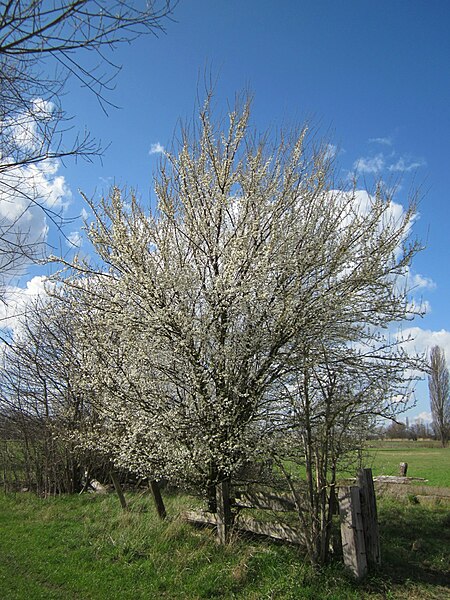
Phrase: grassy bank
(86,547)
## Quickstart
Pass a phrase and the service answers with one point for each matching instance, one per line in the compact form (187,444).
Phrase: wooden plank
(264,500)
(277,531)
(352,534)
(403,469)
(369,517)
(200,517)
(397,479)
(406,488)
(433,500)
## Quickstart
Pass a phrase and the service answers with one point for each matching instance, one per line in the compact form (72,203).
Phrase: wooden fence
(357,510)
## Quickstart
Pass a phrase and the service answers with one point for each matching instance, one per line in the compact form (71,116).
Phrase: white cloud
(359,203)
(74,239)
(423,417)
(376,164)
(426,307)
(421,340)
(43,109)
(421,282)
(385,141)
(405,164)
(398,399)
(33,184)
(156,148)
(417,307)
(24,182)
(26,130)
(16,300)
(373,164)
(31,193)
(26,193)
(107,181)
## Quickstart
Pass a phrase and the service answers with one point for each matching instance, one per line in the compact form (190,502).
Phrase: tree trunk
(211,488)
(224,515)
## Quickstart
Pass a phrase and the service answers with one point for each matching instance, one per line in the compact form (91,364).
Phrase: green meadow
(85,547)
(426,459)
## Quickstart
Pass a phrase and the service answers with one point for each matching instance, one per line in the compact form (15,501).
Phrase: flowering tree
(253,300)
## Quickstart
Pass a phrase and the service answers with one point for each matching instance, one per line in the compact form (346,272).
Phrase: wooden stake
(159,503)
(352,534)
(369,516)
(119,490)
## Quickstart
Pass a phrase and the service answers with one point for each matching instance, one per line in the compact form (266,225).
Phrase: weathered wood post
(119,491)
(353,545)
(369,516)
(159,503)
(224,515)
(403,469)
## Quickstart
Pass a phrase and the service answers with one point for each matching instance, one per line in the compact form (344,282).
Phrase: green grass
(425,459)
(85,547)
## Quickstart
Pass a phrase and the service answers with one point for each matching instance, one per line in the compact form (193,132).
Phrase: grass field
(85,547)
(425,459)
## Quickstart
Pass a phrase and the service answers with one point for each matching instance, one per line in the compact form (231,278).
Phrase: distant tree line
(404,431)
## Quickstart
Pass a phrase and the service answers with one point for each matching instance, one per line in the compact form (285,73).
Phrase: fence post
(352,533)
(369,516)
(159,503)
(224,516)
(118,489)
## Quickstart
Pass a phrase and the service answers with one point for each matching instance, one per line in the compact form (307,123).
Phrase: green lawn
(85,547)
(425,459)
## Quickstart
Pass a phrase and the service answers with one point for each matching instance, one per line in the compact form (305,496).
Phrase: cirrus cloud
(374,164)
(406,164)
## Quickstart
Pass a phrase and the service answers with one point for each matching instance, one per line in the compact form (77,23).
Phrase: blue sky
(374,77)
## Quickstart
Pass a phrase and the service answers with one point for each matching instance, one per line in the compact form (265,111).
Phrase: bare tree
(39,405)
(67,32)
(42,44)
(439,389)
(330,407)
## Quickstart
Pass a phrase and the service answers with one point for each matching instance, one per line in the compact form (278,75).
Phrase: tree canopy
(251,272)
